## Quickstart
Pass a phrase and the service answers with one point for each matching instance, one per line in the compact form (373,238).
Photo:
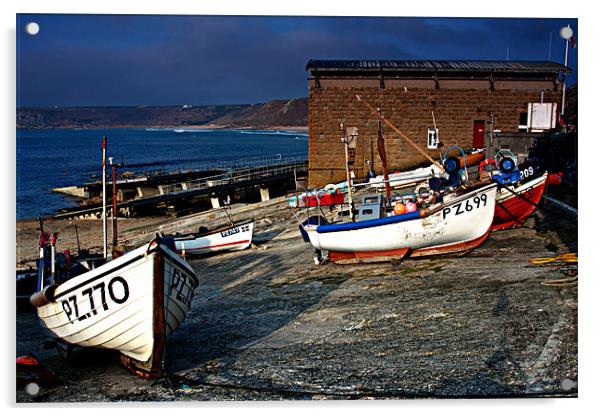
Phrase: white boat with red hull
(458,224)
(236,236)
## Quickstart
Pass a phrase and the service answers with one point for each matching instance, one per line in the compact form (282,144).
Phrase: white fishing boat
(236,236)
(431,222)
(455,225)
(412,177)
(401,179)
(130,304)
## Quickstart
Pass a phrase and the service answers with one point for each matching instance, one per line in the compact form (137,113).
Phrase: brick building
(462,95)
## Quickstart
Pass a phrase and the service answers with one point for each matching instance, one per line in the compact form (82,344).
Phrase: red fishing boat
(514,203)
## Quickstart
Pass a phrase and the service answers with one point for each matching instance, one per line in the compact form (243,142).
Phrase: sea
(55,158)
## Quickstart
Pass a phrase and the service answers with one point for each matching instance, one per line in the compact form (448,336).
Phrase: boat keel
(154,367)
(339,257)
(355,257)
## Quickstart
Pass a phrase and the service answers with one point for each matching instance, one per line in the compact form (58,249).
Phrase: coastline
(174,127)
(133,137)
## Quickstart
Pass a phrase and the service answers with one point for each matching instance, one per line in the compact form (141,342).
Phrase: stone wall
(407,104)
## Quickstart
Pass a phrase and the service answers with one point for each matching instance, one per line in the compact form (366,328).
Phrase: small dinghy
(130,304)
(457,224)
(236,236)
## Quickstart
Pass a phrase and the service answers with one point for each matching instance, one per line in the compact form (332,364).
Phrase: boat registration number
(468,205)
(526,170)
(235,230)
(116,289)
(181,287)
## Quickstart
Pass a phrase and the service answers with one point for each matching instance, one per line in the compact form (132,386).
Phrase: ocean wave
(193,130)
(181,130)
(252,132)
(176,162)
(272,132)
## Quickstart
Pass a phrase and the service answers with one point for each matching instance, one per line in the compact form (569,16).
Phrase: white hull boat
(458,224)
(413,177)
(402,179)
(234,237)
(130,304)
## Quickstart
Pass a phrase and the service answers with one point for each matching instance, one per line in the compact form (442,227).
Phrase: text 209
(466,206)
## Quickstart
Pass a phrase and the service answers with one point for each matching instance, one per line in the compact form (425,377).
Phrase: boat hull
(462,223)
(402,179)
(512,210)
(130,304)
(320,198)
(237,237)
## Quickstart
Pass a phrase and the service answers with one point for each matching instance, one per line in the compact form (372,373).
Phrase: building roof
(435,67)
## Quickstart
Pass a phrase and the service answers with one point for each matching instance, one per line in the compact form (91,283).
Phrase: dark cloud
(145,60)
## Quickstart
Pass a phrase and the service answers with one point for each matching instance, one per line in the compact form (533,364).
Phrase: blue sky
(78,60)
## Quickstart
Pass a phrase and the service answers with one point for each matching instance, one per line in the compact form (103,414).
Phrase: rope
(568,282)
(537,206)
(558,261)
(566,257)
(401,134)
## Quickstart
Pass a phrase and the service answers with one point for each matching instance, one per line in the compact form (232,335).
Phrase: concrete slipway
(268,324)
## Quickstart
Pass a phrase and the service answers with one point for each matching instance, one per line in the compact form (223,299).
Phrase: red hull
(399,254)
(514,211)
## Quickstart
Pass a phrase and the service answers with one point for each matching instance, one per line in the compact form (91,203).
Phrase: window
(523,121)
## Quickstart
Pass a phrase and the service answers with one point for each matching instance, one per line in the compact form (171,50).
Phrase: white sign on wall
(541,116)
(432,141)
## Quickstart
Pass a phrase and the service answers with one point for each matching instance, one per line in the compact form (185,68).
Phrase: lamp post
(566,33)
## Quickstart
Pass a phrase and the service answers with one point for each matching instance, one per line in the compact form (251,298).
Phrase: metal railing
(230,165)
(256,161)
(245,170)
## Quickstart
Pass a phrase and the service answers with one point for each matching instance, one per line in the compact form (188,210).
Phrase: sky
(130,60)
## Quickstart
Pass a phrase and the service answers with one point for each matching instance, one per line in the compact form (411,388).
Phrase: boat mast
(114,216)
(346,140)
(104,196)
(383,156)
(225,207)
(401,134)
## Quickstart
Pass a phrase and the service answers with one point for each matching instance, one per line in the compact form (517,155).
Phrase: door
(478,134)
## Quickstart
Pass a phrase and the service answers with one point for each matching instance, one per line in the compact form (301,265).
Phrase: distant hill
(275,113)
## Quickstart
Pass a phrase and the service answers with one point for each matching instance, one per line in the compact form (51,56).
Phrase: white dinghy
(130,304)
(236,236)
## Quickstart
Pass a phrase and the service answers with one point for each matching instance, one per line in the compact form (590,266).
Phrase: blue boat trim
(347,226)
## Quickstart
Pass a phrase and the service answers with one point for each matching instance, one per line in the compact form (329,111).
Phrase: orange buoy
(399,208)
